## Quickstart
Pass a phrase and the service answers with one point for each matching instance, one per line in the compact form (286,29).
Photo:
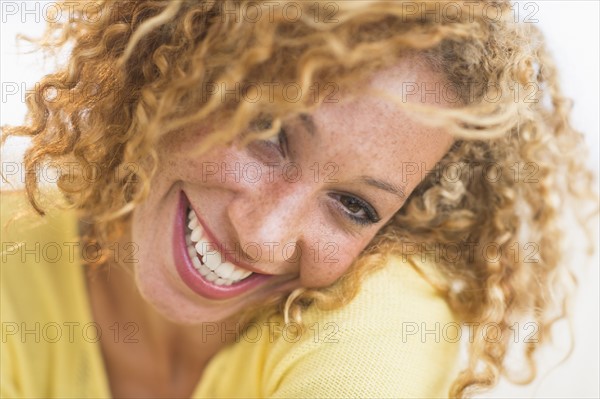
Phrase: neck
(135,335)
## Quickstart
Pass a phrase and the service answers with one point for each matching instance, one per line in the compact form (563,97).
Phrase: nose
(269,225)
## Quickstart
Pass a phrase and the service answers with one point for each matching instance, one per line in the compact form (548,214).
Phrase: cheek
(140,226)
(143,234)
(152,221)
(332,259)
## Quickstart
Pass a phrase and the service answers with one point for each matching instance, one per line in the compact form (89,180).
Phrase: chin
(175,306)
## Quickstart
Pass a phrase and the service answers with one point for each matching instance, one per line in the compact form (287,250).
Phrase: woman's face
(292,211)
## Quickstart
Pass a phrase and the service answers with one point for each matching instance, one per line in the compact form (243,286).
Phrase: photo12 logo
(68,332)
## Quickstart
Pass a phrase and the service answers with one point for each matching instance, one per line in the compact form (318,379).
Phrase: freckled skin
(365,136)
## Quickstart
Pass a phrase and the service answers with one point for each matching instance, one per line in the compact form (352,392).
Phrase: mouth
(200,263)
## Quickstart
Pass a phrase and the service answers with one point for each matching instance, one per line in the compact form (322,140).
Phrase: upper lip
(221,249)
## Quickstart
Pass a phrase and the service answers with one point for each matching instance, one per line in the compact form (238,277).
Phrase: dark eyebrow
(390,188)
(309,123)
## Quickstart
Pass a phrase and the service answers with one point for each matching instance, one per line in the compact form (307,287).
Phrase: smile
(201,263)
(207,260)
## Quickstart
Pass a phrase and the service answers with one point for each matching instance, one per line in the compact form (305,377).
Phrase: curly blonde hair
(140,69)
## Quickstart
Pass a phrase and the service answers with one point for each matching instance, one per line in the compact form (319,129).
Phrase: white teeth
(237,274)
(225,270)
(196,262)
(192,252)
(196,234)
(212,260)
(207,260)
(204,270)
(246,274)
(193,224)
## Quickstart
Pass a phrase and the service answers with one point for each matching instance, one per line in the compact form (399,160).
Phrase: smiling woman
(247,224)
(288,199)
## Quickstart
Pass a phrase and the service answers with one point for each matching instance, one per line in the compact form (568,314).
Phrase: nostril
(290,252)
(268,253)
(251,252)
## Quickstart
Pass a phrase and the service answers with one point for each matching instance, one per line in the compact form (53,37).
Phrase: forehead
(371,133)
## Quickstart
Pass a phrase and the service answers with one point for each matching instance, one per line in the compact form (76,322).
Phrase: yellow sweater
(392,340)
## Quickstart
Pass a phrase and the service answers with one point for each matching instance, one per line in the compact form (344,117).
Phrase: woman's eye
(357,210)
(279,142)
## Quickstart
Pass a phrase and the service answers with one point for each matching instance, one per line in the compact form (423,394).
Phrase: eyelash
(279,141)
(370,217)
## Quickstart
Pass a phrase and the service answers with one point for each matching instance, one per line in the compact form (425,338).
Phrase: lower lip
(191,277)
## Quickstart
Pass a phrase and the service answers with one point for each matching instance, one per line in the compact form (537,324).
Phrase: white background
(573,36)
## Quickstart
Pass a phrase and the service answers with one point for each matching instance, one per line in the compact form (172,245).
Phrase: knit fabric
(390,341)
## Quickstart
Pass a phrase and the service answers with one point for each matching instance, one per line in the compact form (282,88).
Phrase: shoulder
(395,339)
(36,249)
(40,289)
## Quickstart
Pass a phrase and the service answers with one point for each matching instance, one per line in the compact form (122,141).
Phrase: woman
(289,200)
